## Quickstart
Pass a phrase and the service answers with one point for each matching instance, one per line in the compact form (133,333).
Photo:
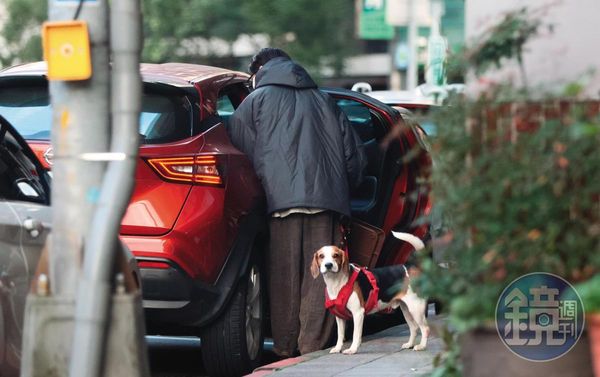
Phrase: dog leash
(345,232)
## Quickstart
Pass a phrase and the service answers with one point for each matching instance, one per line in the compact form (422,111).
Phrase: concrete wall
(555,57)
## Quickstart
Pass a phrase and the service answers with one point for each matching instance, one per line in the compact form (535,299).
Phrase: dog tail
(411,239)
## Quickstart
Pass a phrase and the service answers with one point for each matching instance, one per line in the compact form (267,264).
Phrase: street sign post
(436,60)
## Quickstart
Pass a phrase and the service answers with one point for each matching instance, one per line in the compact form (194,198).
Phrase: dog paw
(418,347)
(349,351)
(407,346)
(335,350)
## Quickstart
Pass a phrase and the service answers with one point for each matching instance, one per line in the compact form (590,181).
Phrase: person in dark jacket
(308,158)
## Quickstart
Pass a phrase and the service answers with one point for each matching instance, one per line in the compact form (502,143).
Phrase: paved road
(182,357)
(175,357)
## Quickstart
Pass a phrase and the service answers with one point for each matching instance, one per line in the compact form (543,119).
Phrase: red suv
(196,220)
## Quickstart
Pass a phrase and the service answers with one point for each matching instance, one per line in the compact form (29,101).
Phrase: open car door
(394,193)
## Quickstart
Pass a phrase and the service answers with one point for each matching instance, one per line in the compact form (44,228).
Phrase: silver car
(25,217)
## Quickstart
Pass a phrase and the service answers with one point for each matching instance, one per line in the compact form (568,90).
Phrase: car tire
(232,346)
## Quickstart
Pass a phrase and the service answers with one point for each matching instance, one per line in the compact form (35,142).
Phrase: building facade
(563,52)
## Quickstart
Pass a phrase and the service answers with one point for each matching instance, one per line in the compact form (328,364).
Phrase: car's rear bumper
(174,302)
(166,288)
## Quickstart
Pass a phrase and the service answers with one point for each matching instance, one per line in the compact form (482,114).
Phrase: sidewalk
(379,355)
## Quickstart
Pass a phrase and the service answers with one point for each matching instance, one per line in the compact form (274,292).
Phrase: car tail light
(200,169)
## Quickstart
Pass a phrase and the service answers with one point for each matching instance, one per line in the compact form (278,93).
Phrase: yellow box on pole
(67,50)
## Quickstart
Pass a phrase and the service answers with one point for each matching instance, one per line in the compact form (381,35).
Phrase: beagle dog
(369,291)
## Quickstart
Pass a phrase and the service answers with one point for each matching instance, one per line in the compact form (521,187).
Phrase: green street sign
(372,23)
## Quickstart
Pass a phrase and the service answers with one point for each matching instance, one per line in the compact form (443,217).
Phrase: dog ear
(314,266)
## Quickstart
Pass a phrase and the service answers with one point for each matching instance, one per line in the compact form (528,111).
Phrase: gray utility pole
(80,125)
(95,288)
(102,333)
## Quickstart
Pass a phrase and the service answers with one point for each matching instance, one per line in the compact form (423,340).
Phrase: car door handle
(33,226)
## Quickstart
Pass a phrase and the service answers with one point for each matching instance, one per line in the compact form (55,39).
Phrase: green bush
(518,186)
(590,294)
(516,181)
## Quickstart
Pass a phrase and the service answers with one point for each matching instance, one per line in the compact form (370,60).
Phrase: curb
(265,370)
(273,367)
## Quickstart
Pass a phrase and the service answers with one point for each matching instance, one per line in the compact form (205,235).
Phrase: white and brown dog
(369,292)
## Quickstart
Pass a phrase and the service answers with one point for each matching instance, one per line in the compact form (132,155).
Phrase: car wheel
(232,346)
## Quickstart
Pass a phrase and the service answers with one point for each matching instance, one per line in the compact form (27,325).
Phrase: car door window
(229,99)
(224,106)
(360,118)
(370,129)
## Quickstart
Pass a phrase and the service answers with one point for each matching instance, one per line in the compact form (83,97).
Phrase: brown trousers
(299,319)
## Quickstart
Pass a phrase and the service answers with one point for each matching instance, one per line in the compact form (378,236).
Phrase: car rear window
(28,110)
(164,118)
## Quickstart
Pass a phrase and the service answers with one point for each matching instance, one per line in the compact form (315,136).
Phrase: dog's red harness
(338,307)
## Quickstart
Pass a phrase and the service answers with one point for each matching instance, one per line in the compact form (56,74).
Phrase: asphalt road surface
(175,356)
(181,356)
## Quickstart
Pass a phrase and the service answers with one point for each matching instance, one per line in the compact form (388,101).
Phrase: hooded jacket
(301,144)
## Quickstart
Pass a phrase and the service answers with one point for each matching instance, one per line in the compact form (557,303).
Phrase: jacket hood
(282,71)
